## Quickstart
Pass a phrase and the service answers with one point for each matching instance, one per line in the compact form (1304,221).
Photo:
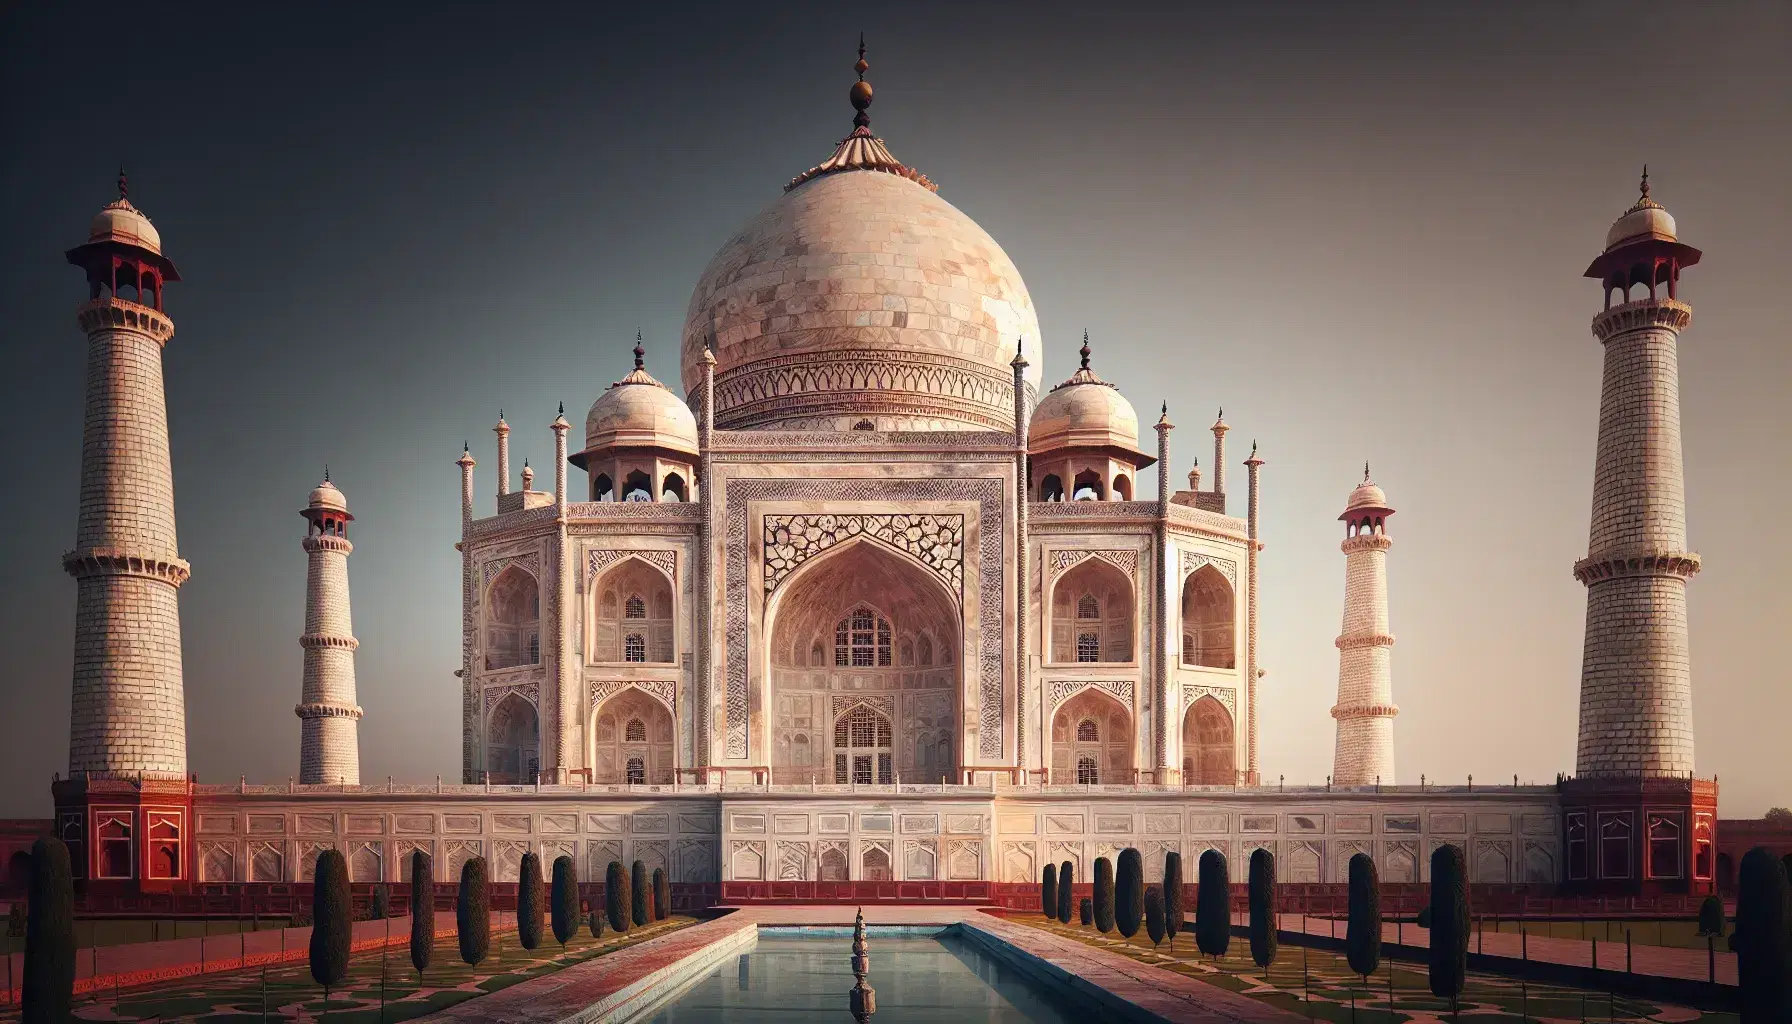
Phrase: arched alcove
(1209,627)
(632,740)
(513,742)
(853,609)
(1208,742)
(1092,740)
(512,620)
(1088,487)
(1051,488)
(1092,614)
(632,617)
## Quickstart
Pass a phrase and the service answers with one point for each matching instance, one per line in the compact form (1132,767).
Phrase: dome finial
(1085,348)
(124,185)
(640,352)
(1365,471)
(326,472)
(1645,184)
(860,93)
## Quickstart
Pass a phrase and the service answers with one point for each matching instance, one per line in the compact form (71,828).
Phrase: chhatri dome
(1647,219)
(638,412)
(1084,412)
(326,496)
(1366,496)
(861,299)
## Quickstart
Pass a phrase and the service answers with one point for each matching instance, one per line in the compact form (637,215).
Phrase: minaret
(1636,679)
(1252,673)
(128,715)
(1160,606)
(1364,754)
(1219,459)
(470,765)
(503,432)
(1023,674)
(328,748)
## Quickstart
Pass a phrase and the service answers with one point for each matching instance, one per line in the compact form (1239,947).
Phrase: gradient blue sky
(1361,228)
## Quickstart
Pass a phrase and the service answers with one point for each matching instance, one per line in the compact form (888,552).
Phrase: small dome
(1647,219)
(1084,412)
(639,411)
(1366,496)
(326,496)
(122,222)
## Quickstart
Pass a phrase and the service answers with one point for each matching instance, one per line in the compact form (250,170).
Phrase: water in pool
(931,978)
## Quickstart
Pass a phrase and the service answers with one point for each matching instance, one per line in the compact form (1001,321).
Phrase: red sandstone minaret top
(1642,248)
(124,250)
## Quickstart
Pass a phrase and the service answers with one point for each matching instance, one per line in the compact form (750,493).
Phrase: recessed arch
(855,603)
(513,742)
(632,598)
(1092,739)
(1208,744)
(1209,620)
(632,739)
(1088,487)
(512,619)
(1092,614)
(1051,488)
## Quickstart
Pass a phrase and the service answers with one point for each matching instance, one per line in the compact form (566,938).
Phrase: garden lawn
(1320,985)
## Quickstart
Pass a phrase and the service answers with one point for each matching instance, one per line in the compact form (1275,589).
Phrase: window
(1087,731)
(1664,846)
(862,748)
(862,640)
(631,599)
(637,772)
(164,845)
(634,607)
(1208,620)
(535,648)
(1087,607)
(634,648)
(1577,845)
(1088,647)
(1614,845)
(1087,774)
(635,731)
(512,620)
(114,835)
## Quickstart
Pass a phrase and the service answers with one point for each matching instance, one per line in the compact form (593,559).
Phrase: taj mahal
(852,598)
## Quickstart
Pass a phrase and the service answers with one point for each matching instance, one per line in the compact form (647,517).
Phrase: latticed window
(635,731)
(1087,607)
(634,648)
(1087,774)
(862,640)
(1664,846)
(1088,647)
(862,748)
(535,648)
(634,607)
(637,772)
(1087,731)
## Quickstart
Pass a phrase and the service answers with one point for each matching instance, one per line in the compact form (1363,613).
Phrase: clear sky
(1359,227)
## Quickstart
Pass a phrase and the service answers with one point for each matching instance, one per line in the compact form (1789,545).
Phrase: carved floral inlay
(1064,561)
(1225,695)
(1062,690)
(1193,560)
(936,541)
(661,690)
(597,561)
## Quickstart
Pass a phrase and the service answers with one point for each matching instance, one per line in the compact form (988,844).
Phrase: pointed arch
(1209,742)
(513,741)
(1091,739)
(1209,620)
(512,619)
(632,738)
(632,598)
(1092,606)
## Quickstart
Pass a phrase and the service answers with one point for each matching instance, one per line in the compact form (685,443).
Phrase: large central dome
(861,299)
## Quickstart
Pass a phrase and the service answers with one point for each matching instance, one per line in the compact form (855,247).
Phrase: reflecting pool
(805,974)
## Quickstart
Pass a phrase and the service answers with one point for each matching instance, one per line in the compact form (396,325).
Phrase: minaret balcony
(113,562)
(327,711)
(111,312)
(327,542)
(1642,314)
(313,641)
(1597,569)
(1355,641)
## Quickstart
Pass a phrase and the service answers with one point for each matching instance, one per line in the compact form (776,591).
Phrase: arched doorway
(512,620)
(1092,741)
(632,621)
(1207,744)
(513,742)
(1092,614)
(1208,620)
(864,670)
(632,740)
(18,873)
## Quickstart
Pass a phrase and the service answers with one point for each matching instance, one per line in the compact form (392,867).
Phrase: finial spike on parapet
(326,472)
(1166,408)
(562,408)
(1365,471)
(124,185)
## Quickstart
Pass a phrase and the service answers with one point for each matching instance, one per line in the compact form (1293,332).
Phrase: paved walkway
(1660,961)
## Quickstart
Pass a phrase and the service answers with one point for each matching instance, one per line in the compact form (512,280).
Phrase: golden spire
(862,151)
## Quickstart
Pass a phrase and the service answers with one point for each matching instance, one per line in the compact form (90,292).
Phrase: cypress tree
(382,902)
(1172,895)
(641,897)
(49,982)
(616,896)
(423,914)
(1154,916)
(1066,872)
(332,921)
(1711,916)
(529,899)
(596,923)
(473,912)
(1129,881)
(1086,912)
(662,895)
(1449,923)
(565,900)
(1262,891)
(1048,891)
(1213,905)
(1762,939)
(1362,940)
(1103,900)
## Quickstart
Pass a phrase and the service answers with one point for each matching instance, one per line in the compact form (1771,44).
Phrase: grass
(288,993)
(1320,985)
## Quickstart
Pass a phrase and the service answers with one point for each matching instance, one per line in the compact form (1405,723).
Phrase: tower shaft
(329,749)
(1636,678)
(1365,710)
(128,714)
